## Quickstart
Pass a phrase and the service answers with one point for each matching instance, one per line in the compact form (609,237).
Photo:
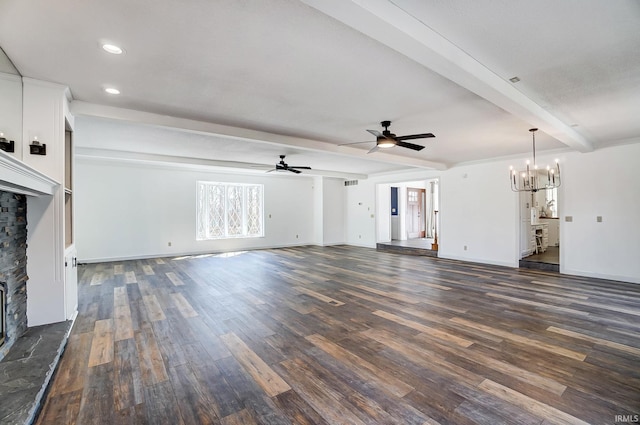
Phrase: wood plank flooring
(345,335)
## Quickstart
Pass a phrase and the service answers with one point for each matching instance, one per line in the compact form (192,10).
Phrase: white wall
(318,212)
(11,110)
(329,211)
(470,213)
(360,204)
(478,210)
(602,183)
(333,209)
(126,210)
(130,210)
(384,219)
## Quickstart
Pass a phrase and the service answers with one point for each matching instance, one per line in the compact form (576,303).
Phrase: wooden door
(416,223)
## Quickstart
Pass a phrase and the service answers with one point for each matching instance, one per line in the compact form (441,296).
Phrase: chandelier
(533,179)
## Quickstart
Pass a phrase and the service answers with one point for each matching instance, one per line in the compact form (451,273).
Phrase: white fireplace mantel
(18,177)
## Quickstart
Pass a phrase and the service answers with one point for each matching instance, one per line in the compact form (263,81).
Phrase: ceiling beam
(394,27)
(79,108)
(199,163)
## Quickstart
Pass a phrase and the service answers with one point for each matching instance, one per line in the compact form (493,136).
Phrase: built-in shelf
(68,189)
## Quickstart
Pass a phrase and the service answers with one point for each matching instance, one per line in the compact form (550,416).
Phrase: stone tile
(26,370)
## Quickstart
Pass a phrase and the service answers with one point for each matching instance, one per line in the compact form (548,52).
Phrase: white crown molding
(10,77)
(46,84)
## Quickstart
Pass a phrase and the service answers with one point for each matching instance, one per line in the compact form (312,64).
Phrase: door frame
(421,219)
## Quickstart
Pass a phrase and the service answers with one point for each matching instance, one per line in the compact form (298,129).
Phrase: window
(551,199)
(229,210)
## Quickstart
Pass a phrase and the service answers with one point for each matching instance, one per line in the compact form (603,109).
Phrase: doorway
(540,230)
(406,212)
(416,223)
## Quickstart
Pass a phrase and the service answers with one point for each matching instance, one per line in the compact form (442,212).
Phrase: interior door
(415,213)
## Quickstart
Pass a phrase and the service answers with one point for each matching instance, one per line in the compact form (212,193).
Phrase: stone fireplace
(2,313)
(13,268)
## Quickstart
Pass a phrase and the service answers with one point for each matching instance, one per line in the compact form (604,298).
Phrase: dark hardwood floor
(345,335)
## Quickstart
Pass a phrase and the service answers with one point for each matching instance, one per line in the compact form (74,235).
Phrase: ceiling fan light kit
(387,139)
(532,178)
(385,143)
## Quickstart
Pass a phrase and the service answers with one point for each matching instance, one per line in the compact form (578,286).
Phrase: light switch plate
(568,218)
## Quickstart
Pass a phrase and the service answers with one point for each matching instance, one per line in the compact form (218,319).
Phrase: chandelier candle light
(529,180)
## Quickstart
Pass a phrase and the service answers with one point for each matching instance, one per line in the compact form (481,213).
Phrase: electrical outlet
(599,219)
(169,244)
(297,236)
(568,218)
(465,247)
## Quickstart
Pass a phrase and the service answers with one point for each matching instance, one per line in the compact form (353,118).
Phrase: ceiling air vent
(351,182)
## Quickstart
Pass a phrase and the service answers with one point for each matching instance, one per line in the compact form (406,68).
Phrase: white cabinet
(539,237)
(554,230)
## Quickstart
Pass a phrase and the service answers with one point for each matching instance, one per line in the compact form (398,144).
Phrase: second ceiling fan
(387,139)
(283,166)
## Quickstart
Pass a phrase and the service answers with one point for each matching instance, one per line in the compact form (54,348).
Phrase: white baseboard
(180,254)
(582,273)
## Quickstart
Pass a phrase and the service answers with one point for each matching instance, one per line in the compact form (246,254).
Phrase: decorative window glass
(229,210)
(253,202)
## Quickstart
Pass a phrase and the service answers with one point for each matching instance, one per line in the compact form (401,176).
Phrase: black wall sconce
(7,145)
(37,148)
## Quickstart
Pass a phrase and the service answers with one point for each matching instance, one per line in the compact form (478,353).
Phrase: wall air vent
(351,182)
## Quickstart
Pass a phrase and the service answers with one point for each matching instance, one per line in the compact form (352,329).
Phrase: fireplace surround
(2,313)
(13,268)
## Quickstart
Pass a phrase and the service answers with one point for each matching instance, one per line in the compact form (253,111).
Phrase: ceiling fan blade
(300,168)
(410,146)
(416,136)
(294,171)
(374,149)
(271,170)
(356,143)
(376,133)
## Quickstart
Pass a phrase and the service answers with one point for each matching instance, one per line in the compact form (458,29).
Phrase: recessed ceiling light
(112,48)
(112,90)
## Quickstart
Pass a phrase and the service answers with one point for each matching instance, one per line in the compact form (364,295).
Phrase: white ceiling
(302,77)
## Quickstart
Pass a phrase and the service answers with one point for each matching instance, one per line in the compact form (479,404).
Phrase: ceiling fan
(387,139)
(283,166)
